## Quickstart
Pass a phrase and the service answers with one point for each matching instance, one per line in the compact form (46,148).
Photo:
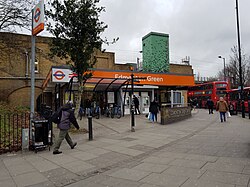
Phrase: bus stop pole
(132,105)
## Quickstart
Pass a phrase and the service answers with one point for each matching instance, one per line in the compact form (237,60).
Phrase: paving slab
(28,179)
(77,166)
(43,184)
(158,160)
(59,159)
(22,168)
(184,171)
(143,148)
(97,151)
(167,154)
(163,180)
(130,174)
(201,157)
(224,166)
(8,183)
(225,177)
(149,185)
(40,163)
(130,152)
(83,155)
(198,164)
(4,172)
(154,168)
(61,176)
(192,183)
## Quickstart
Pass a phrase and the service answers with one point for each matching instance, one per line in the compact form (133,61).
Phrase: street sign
(38,18)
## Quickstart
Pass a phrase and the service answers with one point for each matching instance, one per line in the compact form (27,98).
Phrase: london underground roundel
(59,75)
(37,15)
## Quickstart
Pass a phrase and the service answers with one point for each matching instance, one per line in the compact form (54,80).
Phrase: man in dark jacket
(153,108)
(210,105)
(136,103)
(67,117)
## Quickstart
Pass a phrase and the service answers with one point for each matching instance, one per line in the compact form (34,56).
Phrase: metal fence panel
(11,126)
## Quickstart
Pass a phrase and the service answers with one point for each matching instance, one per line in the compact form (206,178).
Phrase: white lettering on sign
(149,78)
(122,76)
(154,79)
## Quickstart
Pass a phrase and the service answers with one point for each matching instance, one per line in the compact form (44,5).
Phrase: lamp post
(224,61)
(240,68)
(132,105)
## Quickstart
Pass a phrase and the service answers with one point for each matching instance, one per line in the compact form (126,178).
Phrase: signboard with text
(159,79)
(38,18)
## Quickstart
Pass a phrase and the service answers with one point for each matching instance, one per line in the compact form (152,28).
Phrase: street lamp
(240,68)
(224,60)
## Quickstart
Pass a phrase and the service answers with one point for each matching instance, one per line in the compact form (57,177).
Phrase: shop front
(110,87)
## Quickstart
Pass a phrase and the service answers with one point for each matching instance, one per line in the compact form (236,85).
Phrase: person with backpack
(66,118)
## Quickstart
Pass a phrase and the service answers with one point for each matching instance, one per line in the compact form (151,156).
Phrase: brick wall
(14,86)
(181,68)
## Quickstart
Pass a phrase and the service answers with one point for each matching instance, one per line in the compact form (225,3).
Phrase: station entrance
(112,88)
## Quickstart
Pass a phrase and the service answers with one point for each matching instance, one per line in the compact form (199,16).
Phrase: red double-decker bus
(234,98)
(212,90)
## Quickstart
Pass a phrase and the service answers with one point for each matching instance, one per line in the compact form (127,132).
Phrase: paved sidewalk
(200,151)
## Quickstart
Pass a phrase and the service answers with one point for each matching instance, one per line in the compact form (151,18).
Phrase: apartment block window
(36,66)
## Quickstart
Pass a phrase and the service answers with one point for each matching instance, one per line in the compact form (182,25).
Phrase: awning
(96,84)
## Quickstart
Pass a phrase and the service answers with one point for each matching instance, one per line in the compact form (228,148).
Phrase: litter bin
(41,134)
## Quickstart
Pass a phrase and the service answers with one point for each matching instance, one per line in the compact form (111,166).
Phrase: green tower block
(155,51)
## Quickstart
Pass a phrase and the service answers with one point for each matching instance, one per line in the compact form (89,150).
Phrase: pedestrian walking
(67,117)
(231,108)
(210,105)
(153,109)
(88,107)
(81,111)
(136,103)
(195,103)
(222,107)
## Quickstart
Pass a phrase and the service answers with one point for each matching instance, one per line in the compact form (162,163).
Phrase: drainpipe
(27,64)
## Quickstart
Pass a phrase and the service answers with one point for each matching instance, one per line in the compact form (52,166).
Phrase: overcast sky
(201,29)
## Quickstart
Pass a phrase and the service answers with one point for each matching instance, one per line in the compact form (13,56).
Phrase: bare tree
(212,79)
(232,69)
(15,13)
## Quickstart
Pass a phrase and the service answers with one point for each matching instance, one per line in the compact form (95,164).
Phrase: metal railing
(174,105)
(11,126)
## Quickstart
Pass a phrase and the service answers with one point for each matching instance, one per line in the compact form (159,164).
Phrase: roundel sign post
(38,18)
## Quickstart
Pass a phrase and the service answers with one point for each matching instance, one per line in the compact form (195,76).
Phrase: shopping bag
(228,115)
(149,115)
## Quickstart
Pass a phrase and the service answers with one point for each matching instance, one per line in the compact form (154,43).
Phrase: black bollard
(90,128)
(132,120)
(249,109)
(243,108)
